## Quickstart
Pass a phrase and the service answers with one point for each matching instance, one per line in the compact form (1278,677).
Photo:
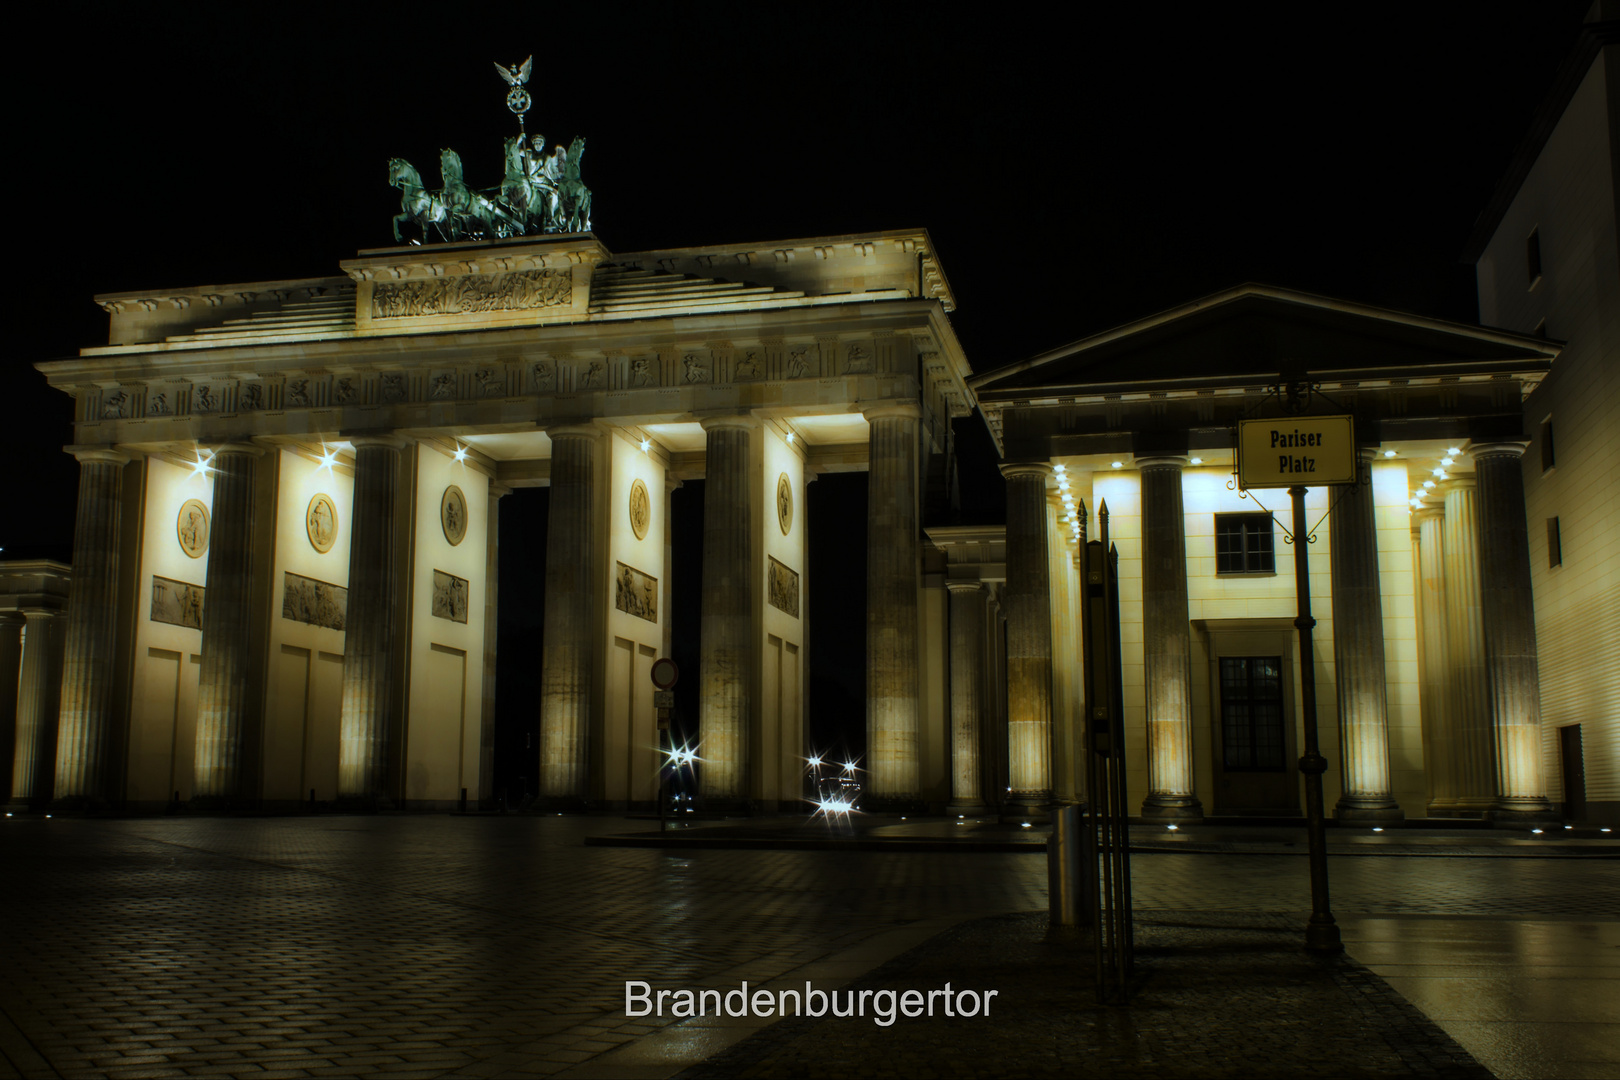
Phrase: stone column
(1066,688)
(893,578)
(727,652)
(11,627)
(1510,634)
(1167,644)
(369,656)
(568,658)
(1434,662)
(666,588)
(1358,654)
(485,794)
(1029,641)
(1474,747)
(84,739)
(38,686)
(967,688)
(225,702)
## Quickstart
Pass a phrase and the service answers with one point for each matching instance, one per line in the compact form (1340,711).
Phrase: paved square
(485,946)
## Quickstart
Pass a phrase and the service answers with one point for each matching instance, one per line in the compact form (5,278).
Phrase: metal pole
(1322,933)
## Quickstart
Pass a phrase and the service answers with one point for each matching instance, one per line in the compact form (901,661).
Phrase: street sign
(664,673)
(1296,451)
(663,699)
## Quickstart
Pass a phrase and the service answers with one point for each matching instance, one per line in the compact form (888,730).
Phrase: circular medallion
(453,515)
(640,510)
(321,523)
(193,528)
(784,503)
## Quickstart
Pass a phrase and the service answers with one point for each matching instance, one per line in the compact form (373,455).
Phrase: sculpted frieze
(798,362)
(544,375)
(203,399)
(158,405)
(695,368)
(641,372)
(251,396)
(113,405)
(393,388)
(522,290)
(298,393)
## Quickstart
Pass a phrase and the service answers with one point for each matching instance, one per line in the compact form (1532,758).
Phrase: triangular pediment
(1254,333)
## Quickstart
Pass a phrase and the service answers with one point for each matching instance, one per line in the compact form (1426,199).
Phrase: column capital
(965,586)
(385,439)
(1465,482)
(498,491)
(1010,469)
(746,421)
(1163,461)
(1425,512)
(1508,448)
(245,449)
(98,455)
(1367,455)
(905,410)
(587,429)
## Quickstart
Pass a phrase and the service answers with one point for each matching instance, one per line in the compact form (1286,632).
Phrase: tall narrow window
(1548,458)
(1532,255)
(1243,544)
(1252,714)
(1555,544)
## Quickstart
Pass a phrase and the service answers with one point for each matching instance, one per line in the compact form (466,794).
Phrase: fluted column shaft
(34,760)
(1434,662)
(11,630)
(967,689)
(492,592)
(1358,654)
(1510,632)
(1167,643)
(369,655)
(893,570)
(84,741)
(224,699)
(727,651)
(1474,749)
(1029,638)
(568,656)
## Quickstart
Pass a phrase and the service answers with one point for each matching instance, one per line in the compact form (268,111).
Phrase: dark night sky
(1073,174)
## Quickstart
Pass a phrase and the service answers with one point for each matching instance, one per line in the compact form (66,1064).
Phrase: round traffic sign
(664,673)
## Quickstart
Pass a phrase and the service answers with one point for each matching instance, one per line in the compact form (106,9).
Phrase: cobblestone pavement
(483,946)
(1221,995)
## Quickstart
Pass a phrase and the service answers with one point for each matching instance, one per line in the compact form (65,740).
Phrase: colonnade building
(285,563)
(286,560)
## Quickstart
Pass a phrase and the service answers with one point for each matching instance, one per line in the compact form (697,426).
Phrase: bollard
(1064,897)
(463,801)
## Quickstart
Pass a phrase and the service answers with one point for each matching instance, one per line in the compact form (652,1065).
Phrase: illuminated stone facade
(290,494)
(1142,420)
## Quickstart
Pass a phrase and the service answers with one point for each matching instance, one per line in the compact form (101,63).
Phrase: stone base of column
(77,804)
(1370,811)
(1031,808)
(20,807)
(1472,807)
(1523,812)
(966,808)
(1172,808)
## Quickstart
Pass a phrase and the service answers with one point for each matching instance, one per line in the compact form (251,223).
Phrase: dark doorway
(1574,769)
